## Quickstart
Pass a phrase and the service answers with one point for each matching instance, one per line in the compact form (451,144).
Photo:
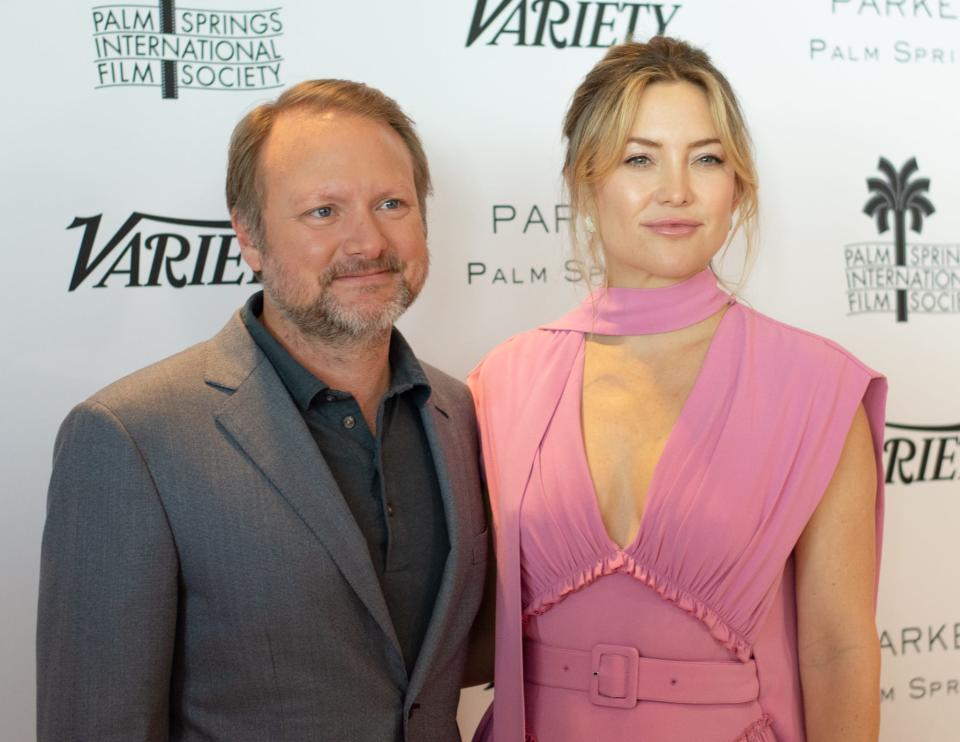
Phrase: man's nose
(365,236)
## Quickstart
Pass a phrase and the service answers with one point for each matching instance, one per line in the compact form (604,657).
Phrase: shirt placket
(395,558)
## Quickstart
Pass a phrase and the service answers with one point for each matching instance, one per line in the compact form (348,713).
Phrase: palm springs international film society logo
(905,276)
(162,46)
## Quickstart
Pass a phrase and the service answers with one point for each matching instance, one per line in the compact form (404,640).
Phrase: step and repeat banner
(118,248)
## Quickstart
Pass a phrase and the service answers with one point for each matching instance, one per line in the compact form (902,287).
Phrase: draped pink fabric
(709,575)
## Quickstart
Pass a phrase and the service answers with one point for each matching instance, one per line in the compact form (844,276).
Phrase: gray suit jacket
(202,577)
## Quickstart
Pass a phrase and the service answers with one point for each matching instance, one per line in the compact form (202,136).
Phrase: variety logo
(917,453)
(566,25)
(189,48)
(152,250)
(901,277)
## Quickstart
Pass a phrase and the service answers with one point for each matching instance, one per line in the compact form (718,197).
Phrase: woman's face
(666,208)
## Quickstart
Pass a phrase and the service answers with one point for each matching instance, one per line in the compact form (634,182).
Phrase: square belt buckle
(631,675)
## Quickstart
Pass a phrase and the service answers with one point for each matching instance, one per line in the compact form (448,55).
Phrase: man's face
(344,251)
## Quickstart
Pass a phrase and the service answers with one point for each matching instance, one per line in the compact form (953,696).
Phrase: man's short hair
(245,186)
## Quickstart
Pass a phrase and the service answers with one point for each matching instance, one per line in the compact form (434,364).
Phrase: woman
(686,494)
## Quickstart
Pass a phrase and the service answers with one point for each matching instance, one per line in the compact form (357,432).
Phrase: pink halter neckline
(619,311)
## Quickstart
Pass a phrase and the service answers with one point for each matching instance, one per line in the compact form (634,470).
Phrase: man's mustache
(390,263)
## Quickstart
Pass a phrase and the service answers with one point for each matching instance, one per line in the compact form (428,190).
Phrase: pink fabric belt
(617,676)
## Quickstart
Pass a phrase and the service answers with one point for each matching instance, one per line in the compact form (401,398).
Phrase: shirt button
(329,397)
(349,421)
(390,509)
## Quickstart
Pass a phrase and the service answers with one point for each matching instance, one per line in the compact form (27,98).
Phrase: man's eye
(322,212)
(391,203)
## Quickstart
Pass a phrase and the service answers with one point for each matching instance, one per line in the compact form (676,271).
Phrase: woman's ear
(737,195)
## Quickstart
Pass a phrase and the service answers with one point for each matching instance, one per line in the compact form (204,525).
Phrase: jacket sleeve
(107,612)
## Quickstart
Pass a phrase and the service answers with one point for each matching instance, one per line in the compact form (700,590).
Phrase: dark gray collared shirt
(388,478)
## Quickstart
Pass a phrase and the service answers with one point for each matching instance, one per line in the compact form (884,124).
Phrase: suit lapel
(446,450)
(262,419)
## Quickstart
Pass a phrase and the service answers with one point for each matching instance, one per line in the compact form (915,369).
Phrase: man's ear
(249,249)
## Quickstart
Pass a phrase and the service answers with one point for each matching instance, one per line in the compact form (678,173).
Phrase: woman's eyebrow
(653,143)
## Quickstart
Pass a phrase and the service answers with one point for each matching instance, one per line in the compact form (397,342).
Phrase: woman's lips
(673,227)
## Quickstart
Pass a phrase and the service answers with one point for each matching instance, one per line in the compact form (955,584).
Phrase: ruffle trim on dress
(622,563)
(760,731)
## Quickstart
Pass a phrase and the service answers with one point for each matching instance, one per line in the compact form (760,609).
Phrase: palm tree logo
(168,67)
(899,195)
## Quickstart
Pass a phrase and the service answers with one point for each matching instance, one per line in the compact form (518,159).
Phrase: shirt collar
(406,373)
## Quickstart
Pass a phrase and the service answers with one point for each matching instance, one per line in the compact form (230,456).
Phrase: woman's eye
(710,160)
(638,160)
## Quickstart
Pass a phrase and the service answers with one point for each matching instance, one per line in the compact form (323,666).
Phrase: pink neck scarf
(618,311)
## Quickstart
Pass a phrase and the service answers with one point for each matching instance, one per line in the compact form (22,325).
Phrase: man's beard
(326,318)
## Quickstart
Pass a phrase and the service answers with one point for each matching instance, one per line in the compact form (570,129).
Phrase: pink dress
(688,634)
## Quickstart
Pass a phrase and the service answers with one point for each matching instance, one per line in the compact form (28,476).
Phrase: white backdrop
(829,87)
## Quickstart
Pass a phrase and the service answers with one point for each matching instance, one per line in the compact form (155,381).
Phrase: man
(277,534)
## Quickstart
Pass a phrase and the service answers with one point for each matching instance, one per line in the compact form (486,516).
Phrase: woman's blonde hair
(603,111)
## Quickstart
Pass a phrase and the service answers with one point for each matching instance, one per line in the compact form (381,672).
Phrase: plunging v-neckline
(681,424)
(624,311)
(638,312)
